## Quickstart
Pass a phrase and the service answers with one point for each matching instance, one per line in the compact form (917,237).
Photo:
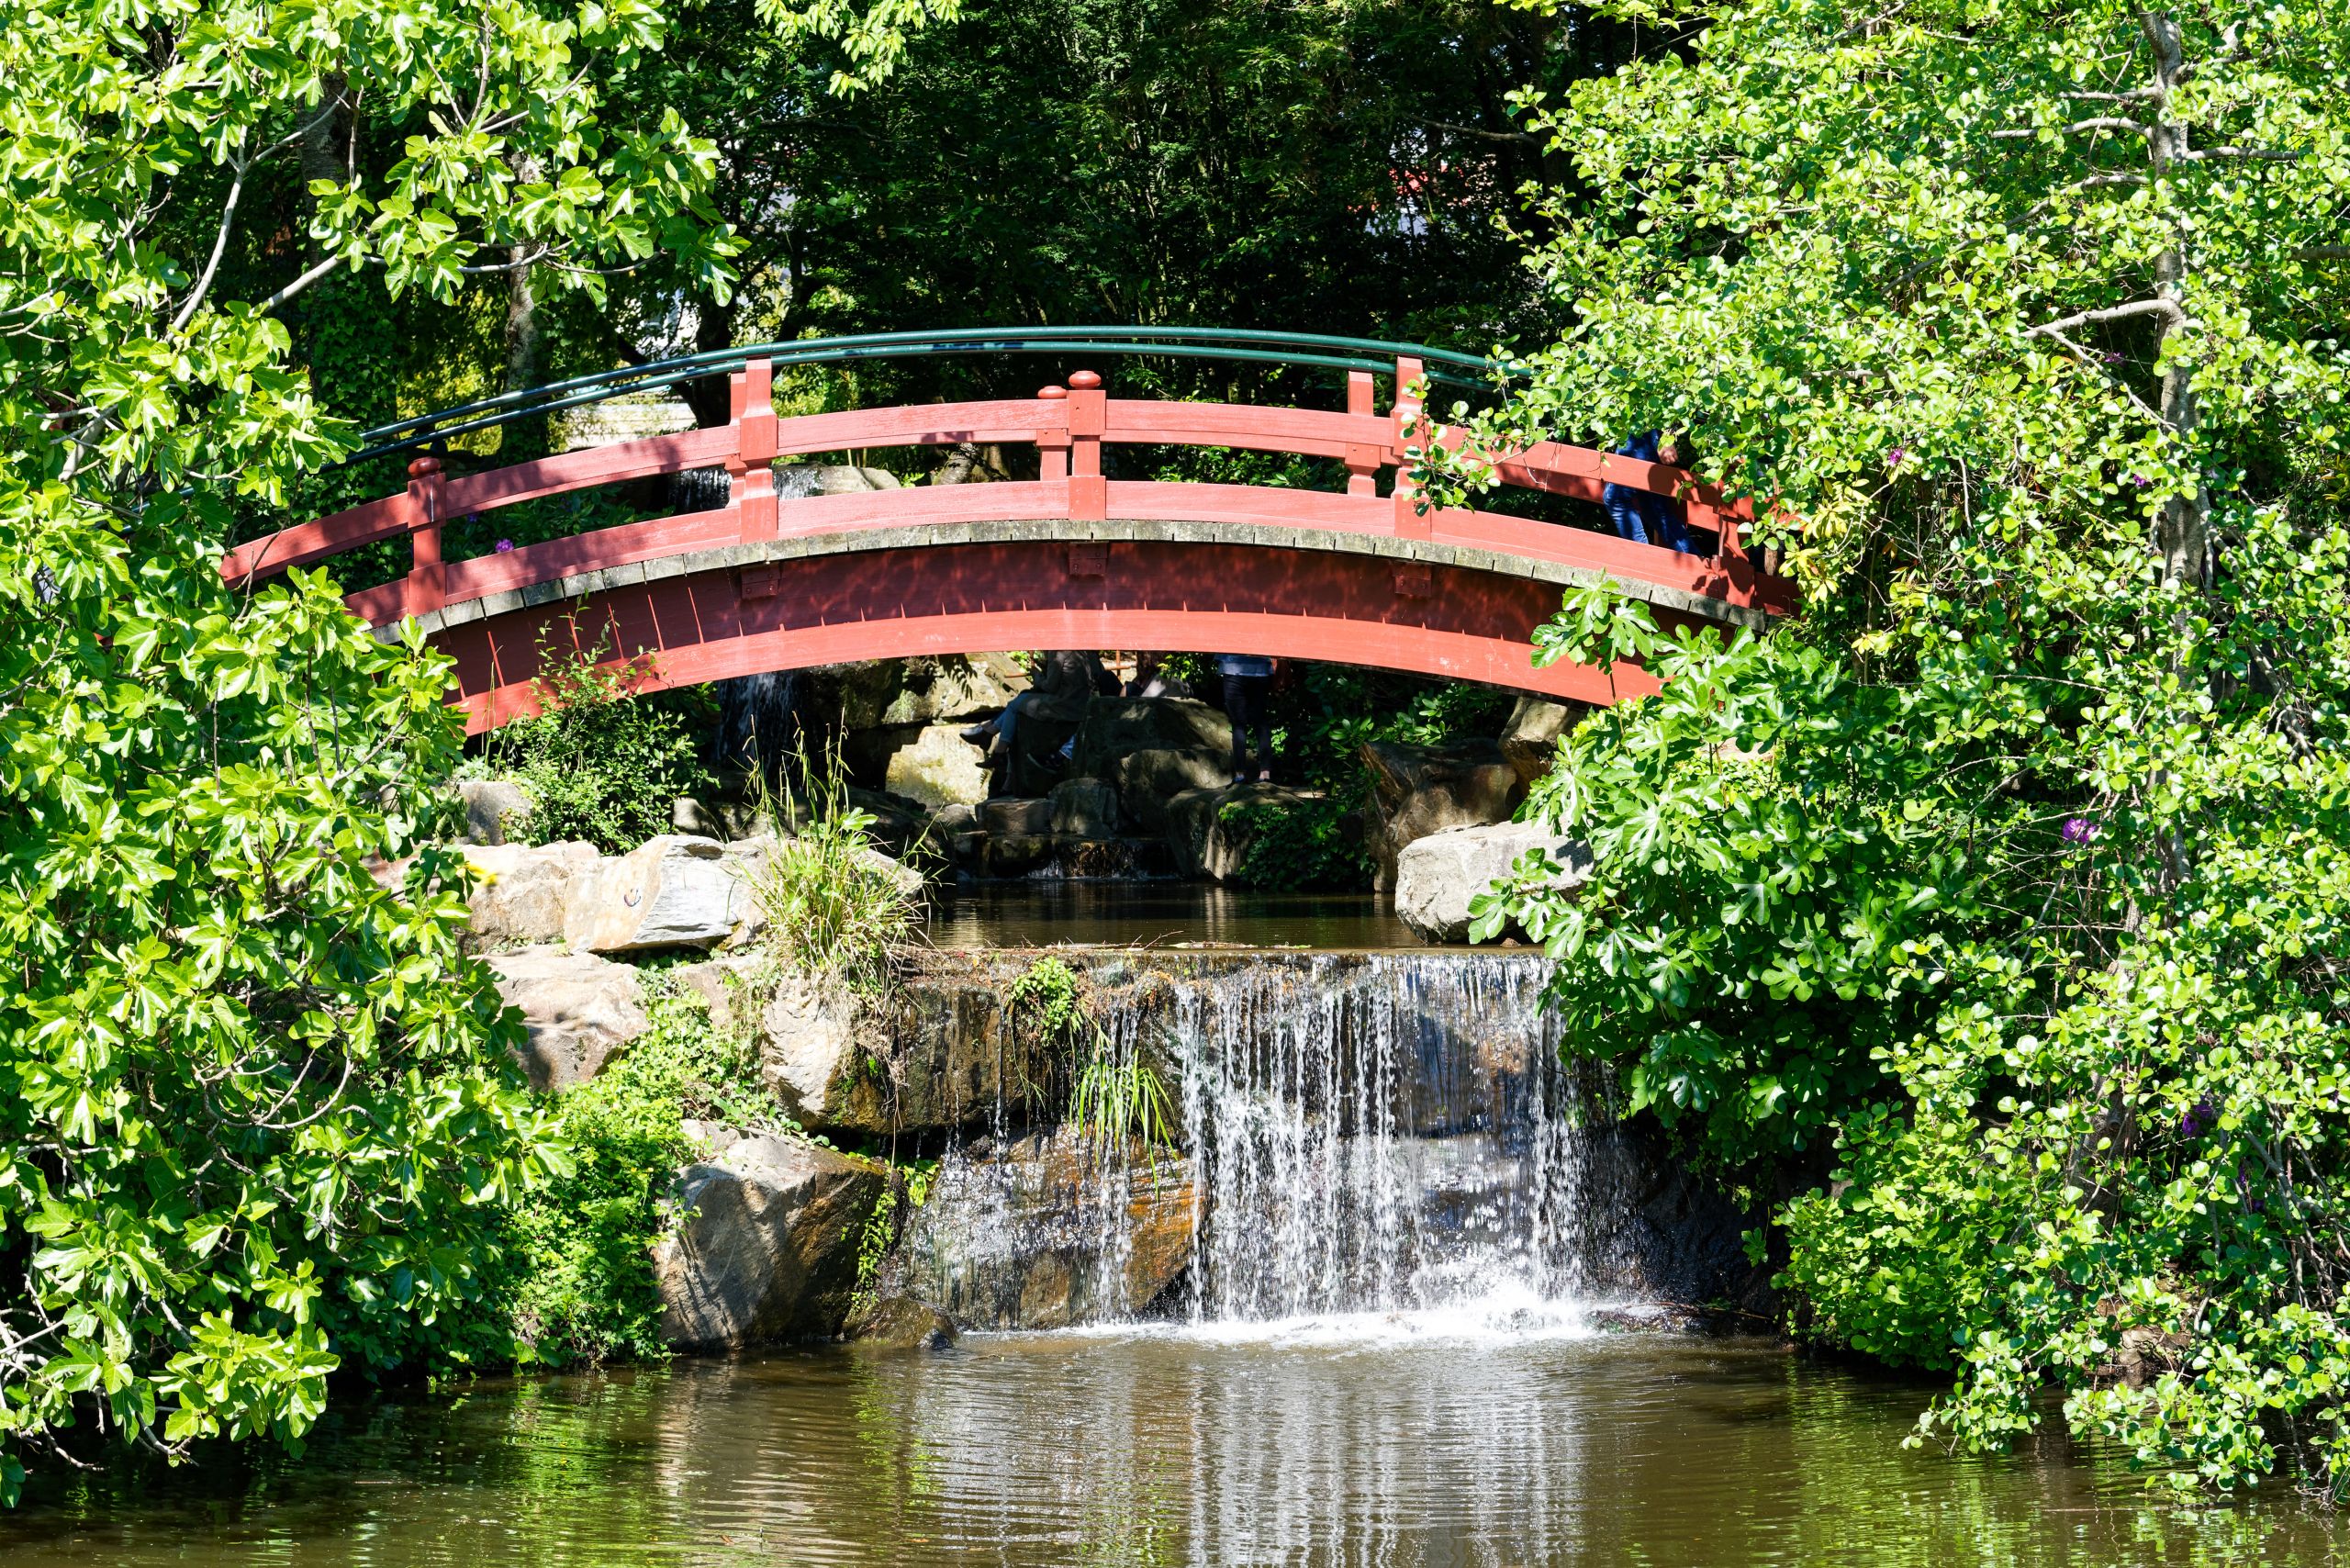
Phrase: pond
(1452,1438)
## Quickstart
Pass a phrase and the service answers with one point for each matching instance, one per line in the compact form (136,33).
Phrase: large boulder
(1012,817)
(767,1248)
(520,890)
(576,1009)
(1085,807)
(1417,791)
(1530,739)
(1148,779)
(1117,727)
(922,691)
(493,808)
(937,766)
(900,1323)
(823,1046)
(1015,1238)
(1437,876)
(1209,839)
(675,890)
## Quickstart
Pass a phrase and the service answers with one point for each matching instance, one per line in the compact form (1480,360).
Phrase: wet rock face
(767,1249)
(1045,1232)
(900,1323)
(1530,739)
(577,1010)
(1438,876)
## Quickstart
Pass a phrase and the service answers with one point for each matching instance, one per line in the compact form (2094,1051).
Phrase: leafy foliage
(600,764)
(1311,842)
(575,1283)
(2011,878)
(259,1114)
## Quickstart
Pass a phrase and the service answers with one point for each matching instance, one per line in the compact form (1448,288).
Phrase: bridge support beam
(1451,623)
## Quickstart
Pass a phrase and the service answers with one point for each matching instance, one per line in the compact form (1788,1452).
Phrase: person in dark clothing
(1058,673)
(1640,514)
(1247,681)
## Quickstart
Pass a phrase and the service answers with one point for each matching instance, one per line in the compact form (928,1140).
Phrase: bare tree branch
(2263,153)
(2102,122)
(299,286)
(2163,308)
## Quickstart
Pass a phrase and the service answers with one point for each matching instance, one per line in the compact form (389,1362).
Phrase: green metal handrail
(1316,349)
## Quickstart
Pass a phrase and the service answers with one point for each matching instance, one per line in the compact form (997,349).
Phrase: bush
(599,763)
(575,1284)
(1301,844)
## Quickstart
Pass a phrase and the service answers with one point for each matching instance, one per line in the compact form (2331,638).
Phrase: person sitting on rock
(1062,673)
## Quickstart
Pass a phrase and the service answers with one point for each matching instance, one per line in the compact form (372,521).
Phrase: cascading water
(1382,1134)
(1357,1133)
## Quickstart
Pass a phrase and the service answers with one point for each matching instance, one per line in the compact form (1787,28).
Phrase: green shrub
(599,763)
(575,1286)
(1315,842)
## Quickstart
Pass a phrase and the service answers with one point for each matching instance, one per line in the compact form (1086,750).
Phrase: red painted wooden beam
(1205,597)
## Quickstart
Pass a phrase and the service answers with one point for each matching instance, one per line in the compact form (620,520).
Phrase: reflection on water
(1334,1441)
(1041,913)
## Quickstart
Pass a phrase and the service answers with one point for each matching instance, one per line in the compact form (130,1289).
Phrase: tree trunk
(2183,534)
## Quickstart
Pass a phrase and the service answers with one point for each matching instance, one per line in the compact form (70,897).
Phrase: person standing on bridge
(1247,680)
(1640,514)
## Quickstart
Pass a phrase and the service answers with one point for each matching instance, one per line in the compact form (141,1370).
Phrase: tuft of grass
(833,905)
(1116,1105)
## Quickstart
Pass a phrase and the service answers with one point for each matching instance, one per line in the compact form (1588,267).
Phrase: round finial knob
(1084,378)
(1052,391)
(424,467)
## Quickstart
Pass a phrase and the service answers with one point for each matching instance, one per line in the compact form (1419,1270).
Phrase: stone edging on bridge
(1062,531)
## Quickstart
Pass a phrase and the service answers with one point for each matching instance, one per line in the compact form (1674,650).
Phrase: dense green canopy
(2004,892)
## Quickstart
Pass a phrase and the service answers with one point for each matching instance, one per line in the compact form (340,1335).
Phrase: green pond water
(1346,1441)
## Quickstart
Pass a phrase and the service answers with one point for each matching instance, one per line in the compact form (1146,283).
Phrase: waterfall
(1354,1132)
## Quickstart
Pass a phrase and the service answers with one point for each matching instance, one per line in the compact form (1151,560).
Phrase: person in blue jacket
(1642,515)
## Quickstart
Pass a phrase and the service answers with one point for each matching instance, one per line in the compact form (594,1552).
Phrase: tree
(257,1112)
(2007,881)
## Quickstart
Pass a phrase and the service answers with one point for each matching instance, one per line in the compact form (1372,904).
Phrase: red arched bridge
(1072,559)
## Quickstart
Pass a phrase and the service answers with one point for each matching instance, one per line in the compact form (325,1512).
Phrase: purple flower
(2201,1115)
(1893,458)
(2140,481)
(2079,830)
(504,545)
(2113,359)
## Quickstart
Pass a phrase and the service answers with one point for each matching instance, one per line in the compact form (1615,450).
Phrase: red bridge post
(751,489)
(1052,434)
(1363,462)
(1089,415)
(428,578)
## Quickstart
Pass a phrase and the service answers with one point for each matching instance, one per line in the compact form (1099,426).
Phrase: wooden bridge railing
(1067,424)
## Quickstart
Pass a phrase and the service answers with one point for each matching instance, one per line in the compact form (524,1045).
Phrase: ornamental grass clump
(833,907)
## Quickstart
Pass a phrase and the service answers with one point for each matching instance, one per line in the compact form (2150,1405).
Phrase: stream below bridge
(1406,1300)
